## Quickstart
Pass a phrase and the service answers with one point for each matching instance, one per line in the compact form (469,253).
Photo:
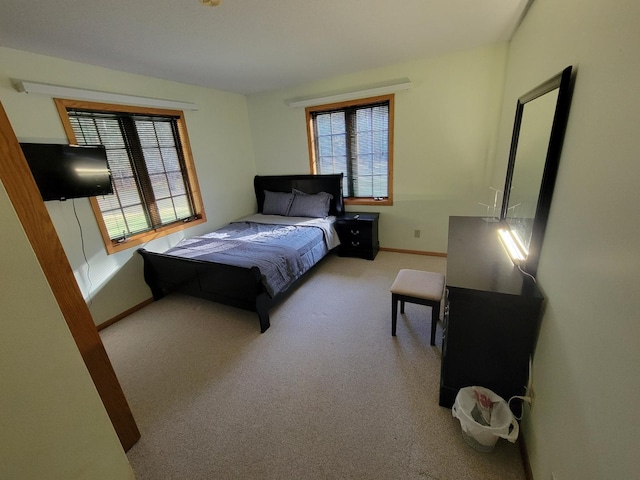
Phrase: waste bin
(484,417)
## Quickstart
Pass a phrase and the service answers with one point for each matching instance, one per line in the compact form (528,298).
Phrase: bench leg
(394,313)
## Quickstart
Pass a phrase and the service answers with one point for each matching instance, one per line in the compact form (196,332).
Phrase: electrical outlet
(416,233)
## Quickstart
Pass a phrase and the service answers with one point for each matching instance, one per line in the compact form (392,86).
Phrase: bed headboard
(307,183)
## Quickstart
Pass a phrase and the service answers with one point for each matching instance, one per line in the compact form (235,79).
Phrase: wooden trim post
(34,217)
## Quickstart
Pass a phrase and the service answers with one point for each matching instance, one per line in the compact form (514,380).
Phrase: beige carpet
(325,393)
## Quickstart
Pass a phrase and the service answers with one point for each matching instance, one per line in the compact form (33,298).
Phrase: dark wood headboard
(307,183)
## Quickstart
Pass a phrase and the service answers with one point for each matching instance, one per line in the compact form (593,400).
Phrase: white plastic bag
(484,417)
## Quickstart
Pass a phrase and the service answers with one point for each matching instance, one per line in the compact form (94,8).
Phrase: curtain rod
(95,95)
(371,91)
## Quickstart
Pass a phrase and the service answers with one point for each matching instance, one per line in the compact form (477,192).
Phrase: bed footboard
(227,284)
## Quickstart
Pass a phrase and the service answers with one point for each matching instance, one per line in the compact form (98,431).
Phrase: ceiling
(252,46)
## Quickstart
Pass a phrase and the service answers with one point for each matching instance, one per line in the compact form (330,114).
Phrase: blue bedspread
(281,252)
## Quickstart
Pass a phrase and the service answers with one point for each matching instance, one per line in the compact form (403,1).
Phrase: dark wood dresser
(492,314)
(358,234)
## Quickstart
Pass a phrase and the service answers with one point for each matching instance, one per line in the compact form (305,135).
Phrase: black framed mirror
(536,143)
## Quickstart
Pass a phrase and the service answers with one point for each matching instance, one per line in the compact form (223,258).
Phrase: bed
(253,262)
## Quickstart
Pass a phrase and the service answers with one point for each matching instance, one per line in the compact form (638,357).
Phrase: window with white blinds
(354,138)
(150,173)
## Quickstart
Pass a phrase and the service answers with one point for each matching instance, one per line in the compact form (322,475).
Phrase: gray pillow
(276,203)
(307,205)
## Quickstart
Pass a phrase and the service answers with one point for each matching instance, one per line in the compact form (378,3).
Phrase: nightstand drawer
(358,234)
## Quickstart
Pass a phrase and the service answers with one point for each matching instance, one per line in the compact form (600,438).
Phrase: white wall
(221,145)
(585,423)
(53,423)
(445,132)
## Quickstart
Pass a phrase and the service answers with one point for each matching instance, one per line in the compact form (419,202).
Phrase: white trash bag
(484,417)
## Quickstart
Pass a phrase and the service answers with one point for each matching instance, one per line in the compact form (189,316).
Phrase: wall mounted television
(68,171)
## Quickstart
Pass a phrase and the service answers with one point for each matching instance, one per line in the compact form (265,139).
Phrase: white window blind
(355,141)
(147,167)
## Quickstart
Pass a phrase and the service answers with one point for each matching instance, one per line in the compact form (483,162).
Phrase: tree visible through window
(354,138)
(155,189)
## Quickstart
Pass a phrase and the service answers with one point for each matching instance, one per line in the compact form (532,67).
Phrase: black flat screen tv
(68,171)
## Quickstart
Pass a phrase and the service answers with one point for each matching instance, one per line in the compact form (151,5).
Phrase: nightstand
(358,232)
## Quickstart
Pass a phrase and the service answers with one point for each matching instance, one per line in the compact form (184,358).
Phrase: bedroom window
(355,138)
(155,187)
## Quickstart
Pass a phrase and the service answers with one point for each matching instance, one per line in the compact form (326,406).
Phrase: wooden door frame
(34,217)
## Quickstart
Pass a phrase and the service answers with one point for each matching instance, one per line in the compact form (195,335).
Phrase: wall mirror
(536,143)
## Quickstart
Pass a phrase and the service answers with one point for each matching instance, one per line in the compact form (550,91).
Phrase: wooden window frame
(311,141)
(137,239)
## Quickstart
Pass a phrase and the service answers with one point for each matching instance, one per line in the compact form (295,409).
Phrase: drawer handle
(355,232)
(355,244)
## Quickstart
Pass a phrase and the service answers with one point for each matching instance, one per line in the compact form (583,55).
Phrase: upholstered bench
(417,286)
